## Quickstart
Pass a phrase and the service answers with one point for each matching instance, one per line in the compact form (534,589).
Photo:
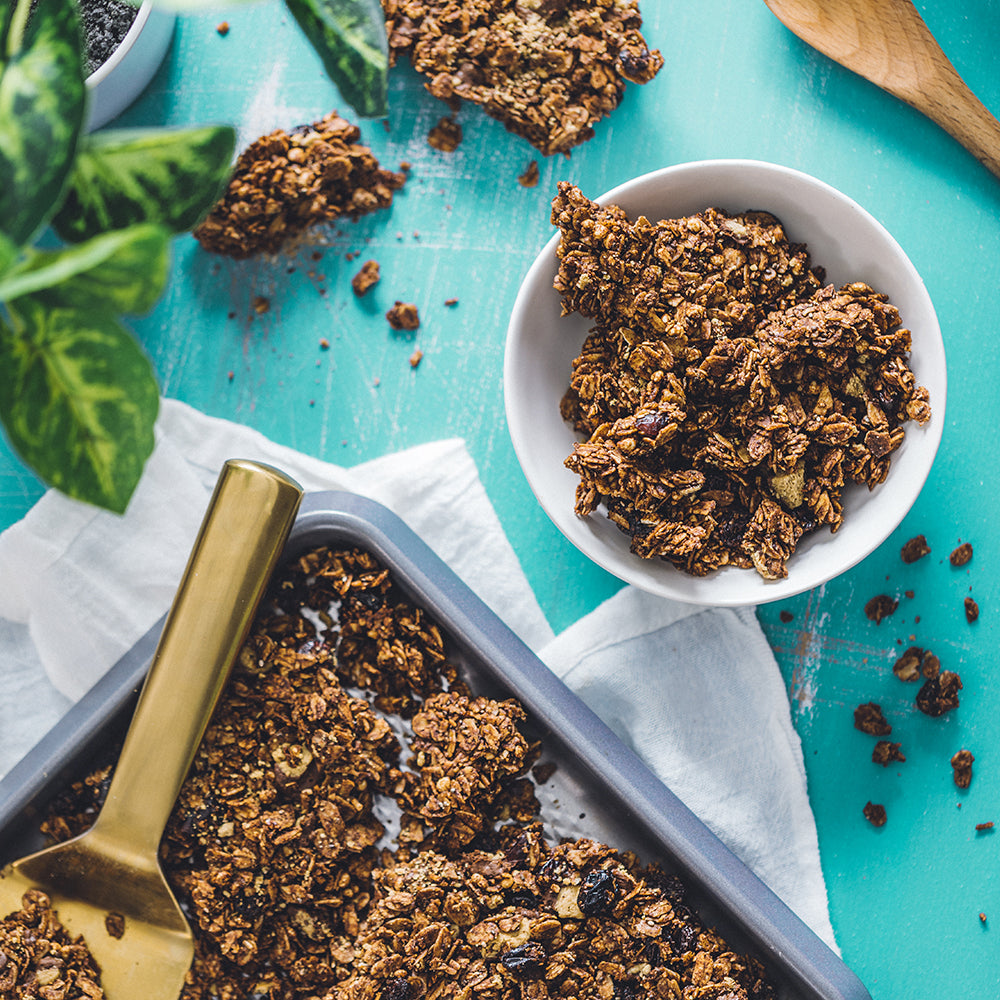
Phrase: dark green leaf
(78,399)
(124,271)
(42,105)
(171,177)
(349,36)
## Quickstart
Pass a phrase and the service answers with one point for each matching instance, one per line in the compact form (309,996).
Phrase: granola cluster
(725,396)
(40,959)
(547,69)
(528,920)
(357,825)
(285,183)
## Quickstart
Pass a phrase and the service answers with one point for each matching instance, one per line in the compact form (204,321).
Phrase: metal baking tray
(599,788)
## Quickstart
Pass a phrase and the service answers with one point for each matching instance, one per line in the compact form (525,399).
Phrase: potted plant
(85,227)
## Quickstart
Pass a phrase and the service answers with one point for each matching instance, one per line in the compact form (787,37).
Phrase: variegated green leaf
(8,255)
(168,176)
(78,400)
(349,36)
(42,104)
(124,270)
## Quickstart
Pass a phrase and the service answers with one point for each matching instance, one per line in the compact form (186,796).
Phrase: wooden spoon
(888,43)
(113,868)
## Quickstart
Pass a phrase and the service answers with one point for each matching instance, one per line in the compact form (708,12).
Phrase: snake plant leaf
(124,270)
(349,37)
(78,400)
(42,105)
(168,176)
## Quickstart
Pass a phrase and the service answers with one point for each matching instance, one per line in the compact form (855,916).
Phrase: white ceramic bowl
(842,237)
(118,81)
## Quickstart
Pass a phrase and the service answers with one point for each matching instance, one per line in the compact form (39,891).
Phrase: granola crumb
(451,302)
(907,667)
(786,616)
(261,304)
(222,28)
(916,548)
(939,694)
(982,918)
(961,764)
(886,753)
(879,607)
(403,316)
(869,719)
(875,813)
(366,278)
(529,178)
(114,924)
(445,136)
(416,357)
(983,827)
(961,555)
(971,610)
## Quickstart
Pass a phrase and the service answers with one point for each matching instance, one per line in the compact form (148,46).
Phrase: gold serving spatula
(888,43)
(113,868)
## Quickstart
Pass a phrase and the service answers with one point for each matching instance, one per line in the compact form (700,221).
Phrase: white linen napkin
(694,691)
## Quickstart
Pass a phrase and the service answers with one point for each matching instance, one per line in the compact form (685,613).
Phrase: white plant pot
(125,75)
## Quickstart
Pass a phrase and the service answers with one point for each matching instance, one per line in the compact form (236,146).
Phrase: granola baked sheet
(548,69)
(358,824)
(726,395)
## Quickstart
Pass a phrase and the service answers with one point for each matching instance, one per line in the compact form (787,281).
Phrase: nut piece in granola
(907,667)
(366,278)
(886,753)
(549,70)
(725,397)
(40,959)
(875,813)
(869,719)
(285,183)
(961,765)
(403,316)
(916,548)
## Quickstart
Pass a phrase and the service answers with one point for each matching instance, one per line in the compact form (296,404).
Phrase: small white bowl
(842,237)
(118,81)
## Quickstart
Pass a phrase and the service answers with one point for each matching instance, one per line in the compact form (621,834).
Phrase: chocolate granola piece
(961,764)
(879,607)
(40,959)
(971,610)
(961,555)
(886,753)
(939,694)
(548,70)
(403,316)
(916,548)
(366,278)
(285,183)
(445,136)
(875,813)
(869,719)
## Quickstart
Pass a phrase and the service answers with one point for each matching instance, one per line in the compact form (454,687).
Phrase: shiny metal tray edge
(620,798)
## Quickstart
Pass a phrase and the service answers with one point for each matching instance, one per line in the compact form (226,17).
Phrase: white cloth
(694,691)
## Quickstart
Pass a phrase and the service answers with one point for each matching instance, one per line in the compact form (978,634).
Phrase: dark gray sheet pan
(598,778)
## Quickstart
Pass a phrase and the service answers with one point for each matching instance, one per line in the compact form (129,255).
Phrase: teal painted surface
(905,899)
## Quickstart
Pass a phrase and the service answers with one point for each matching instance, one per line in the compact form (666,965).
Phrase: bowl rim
(658,576)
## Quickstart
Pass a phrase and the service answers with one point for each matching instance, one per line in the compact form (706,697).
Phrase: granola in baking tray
(40,959)
(528,920)
(725,396)
(301,881)
(548,69)
(285,183)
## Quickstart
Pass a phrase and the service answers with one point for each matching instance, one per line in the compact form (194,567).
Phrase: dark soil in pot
(105,23)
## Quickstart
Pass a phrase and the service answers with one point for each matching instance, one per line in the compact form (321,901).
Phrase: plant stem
(18,24)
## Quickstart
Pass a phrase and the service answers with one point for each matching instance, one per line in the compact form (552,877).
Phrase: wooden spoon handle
(934,87)
(241,538)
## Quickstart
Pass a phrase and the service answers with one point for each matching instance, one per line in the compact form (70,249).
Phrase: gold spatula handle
(241,538)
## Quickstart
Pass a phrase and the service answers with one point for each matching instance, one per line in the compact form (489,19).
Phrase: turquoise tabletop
(915,903)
